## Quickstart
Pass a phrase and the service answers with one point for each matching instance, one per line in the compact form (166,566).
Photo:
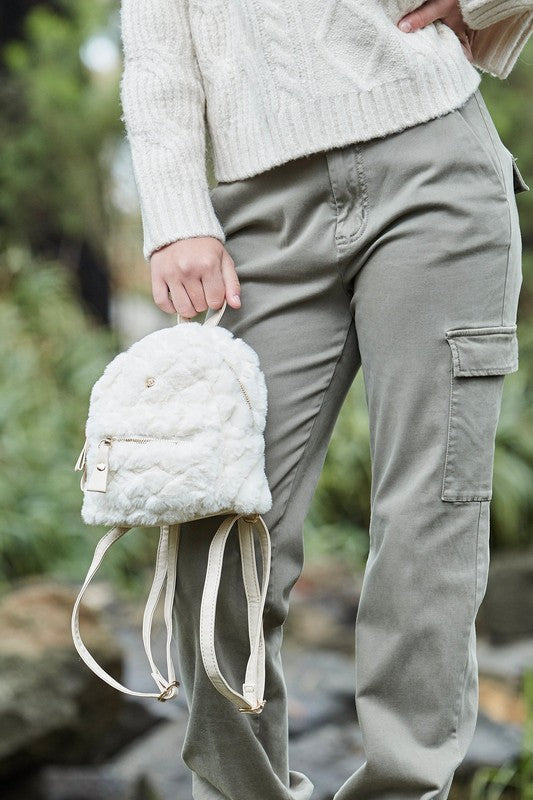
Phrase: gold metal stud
(149,382)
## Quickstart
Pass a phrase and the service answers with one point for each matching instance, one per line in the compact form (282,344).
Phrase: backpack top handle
(214,319)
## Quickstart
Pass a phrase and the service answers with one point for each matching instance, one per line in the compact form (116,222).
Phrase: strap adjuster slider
(169,692)
(255,710)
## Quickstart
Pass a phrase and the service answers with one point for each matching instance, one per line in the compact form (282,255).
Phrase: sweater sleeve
(501,29)
(496,49)
(481,13)
(163,106)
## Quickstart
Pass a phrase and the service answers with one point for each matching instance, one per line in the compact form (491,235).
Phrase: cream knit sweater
(273,80)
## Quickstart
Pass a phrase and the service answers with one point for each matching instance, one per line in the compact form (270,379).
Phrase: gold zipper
(245,393)
(241,384)
(140,439)
(97,481)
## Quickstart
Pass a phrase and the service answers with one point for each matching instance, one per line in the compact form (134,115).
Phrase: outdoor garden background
(74,290)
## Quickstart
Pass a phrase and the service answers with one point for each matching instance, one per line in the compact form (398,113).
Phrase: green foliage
(50,355)
(510,106)
(56,122)
(339,516)
(512,779)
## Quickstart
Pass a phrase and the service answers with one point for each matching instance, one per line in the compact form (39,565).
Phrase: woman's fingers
(425,14)
(213,286)
(449,12)
(160,293)
(231,281)
(191,275)
(181,300)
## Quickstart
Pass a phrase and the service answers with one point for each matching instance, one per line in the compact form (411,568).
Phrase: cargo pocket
(480,358)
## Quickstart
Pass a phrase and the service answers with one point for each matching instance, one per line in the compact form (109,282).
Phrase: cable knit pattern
(163,109)
(273,80)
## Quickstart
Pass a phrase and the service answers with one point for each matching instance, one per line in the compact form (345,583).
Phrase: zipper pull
(81,465)
(82,458)
(98,480)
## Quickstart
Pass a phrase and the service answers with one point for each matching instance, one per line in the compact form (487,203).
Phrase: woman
(364,216)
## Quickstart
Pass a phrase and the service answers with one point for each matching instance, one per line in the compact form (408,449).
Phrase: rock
(321,687)
(506,662)
(501,677)
(157,758)
(501,702)
(323,607)
(125,620)
(328,756)
(53,709)
(81,783)
(506,613)
(493,744)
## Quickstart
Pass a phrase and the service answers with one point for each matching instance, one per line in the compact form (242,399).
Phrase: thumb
(426,13)
(231,281)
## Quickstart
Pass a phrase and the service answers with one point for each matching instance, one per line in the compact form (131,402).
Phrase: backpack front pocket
(149,480)
(480,358)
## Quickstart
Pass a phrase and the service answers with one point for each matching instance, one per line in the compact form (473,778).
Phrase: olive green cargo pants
(400,255)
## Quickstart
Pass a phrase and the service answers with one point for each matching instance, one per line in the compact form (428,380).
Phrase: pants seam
(268,603)
(341,240)
(461,687)
(335,238)
(448,434)
(495,145)
(506,276)
(352,237)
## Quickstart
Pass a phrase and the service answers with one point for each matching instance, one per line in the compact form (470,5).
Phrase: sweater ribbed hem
(311,125)
(169,215)
(496,49)
(481,13)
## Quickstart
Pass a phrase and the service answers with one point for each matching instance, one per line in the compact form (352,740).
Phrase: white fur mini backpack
(175,433)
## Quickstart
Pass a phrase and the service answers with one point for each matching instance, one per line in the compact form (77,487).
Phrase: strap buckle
(255,710)
(169,692)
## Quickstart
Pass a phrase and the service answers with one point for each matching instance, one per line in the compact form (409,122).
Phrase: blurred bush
(60,128)
(50,355)
(56,119)
(512,779)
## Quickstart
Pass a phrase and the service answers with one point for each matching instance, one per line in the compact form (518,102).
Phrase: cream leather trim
(251,700)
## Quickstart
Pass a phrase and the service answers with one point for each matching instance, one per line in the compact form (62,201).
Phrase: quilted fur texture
(180,388)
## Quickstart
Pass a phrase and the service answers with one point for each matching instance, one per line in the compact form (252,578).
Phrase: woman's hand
(191,275)
(449,12)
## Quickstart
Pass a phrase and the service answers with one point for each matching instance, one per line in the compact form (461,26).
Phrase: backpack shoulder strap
(165,571)
(251,700)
